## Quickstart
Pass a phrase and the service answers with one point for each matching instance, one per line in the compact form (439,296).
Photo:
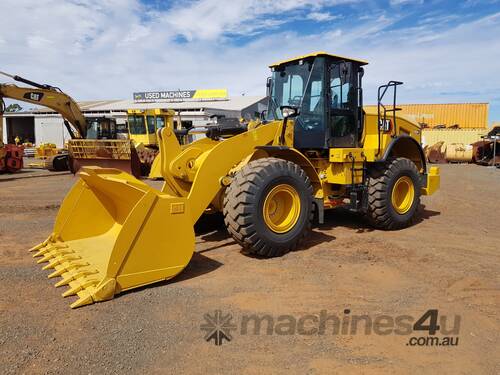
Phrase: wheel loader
(315,148)
(143,125)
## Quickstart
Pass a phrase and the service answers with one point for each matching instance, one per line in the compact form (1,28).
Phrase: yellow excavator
(105,150)
(315,148)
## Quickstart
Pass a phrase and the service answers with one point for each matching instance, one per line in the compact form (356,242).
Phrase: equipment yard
(447,261)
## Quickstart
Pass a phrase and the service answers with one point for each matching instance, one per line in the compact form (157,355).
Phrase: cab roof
(315,54)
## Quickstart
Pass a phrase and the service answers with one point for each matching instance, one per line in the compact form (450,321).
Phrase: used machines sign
(179,95)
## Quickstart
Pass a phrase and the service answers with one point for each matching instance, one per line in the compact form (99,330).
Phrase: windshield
(136,124)
(298,85)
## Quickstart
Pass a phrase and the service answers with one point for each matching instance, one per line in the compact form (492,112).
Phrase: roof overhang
(316,54)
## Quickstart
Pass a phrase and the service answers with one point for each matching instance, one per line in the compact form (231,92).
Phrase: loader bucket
(114,233)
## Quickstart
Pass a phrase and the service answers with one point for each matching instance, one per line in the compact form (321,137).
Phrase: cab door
(342,105)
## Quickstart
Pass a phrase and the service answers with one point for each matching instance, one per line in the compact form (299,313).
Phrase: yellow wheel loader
(143,125)
(315,148)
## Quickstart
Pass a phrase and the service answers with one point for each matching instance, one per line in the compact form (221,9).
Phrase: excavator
(105,150)
(315,148)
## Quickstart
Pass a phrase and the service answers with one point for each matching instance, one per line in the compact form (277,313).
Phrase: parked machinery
(143,124)
(11,155)
(104,150)
(314,149)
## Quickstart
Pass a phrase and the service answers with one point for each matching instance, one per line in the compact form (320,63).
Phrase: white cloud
(321,16)
(209,19)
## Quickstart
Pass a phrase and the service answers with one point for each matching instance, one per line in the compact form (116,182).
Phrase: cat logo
(33,96)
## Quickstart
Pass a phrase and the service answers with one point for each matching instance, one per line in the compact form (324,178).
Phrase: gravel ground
(448,261)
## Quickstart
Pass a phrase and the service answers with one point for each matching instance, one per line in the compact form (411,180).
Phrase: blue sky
(444,51)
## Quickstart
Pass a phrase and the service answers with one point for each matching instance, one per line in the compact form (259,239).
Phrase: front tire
(393,194)
(268,207)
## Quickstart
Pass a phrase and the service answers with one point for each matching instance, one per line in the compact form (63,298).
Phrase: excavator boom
(47,96)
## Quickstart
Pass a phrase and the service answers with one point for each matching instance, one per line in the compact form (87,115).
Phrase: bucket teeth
(42,251)
(39,246)
(82,301)
(80,286)
(74,276)
(53,253)
(60,260)
(67,267)
(48,244)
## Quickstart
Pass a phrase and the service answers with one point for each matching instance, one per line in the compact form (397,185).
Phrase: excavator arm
(47,96)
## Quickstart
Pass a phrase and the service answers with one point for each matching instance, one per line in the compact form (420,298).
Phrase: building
(42,125)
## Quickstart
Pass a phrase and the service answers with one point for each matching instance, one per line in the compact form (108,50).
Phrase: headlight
(289,112)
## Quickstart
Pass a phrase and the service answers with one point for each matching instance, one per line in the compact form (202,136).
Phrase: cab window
(292,90)
(339,93)
(151,124)
(136,124)
(160,122)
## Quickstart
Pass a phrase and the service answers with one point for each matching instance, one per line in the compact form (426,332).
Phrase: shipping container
(449,136)
(465,115)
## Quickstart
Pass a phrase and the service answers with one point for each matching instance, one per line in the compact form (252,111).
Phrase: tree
(14,107)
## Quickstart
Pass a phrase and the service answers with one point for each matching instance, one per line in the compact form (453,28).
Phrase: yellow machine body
(144,123)
(113,232)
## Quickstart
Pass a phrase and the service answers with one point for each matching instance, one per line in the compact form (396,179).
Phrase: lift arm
(48,96)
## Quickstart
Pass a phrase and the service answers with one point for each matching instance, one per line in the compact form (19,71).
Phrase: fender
(404,146)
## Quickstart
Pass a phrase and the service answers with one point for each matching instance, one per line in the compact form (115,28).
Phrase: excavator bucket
(105,238)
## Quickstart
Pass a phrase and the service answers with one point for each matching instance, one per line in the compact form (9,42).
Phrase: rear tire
(268,207)
(393,194)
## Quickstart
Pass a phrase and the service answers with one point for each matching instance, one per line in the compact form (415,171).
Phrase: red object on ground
(13,159)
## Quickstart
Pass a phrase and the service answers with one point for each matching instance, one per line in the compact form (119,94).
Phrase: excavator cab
(326,94)
(101,128)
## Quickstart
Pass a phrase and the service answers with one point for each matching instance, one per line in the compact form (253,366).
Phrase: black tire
(381,212)
(244,202)
(60,163)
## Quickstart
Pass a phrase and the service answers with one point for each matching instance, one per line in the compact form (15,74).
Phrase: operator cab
(326,92)
(101,128)
(143,124)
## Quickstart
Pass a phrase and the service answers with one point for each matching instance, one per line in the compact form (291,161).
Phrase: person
(17,140)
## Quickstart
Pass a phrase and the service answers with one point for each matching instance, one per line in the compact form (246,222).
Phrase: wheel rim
(281,208)
(403,194)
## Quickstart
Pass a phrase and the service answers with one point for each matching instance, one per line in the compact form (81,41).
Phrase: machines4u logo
(218,327)
(430,329)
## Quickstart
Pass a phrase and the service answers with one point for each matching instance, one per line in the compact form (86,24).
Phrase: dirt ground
(448,261)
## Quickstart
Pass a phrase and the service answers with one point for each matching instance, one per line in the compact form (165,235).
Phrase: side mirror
(289,111)
(269,84)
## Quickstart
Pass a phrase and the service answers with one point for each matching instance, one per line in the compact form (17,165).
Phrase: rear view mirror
(268,86)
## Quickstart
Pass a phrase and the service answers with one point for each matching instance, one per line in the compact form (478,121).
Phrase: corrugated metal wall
(449,136)
(466,115)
